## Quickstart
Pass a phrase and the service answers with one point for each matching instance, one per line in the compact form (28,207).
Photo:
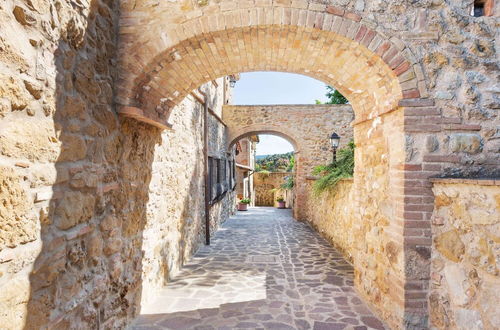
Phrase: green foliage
(265,173)
(280,199)
(289,183)
(334,96)
(331,174)
(276,163)
(291,164)
(245,201)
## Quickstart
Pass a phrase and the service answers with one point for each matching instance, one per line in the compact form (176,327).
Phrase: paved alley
(264,270)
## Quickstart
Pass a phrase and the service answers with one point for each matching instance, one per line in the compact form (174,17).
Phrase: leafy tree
(276,163)
(291,165)
(334,96)
(289,183)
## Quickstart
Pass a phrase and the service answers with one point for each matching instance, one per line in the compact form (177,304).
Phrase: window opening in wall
(483,8)
(217,173)
(478,8)
(233,167)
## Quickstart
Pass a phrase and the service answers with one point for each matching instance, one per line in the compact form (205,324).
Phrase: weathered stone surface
(29,139)
(14,95)
(14,296)
(17,223)
(267,188)
(467,319)
(34,88)
(308,135)
(465,270)
(433,48)
(23,16)
(74,208)
(450,245)
(432,144)
(470,143)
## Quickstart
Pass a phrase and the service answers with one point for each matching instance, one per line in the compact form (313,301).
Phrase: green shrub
(289,183)
(245,201)
(331,174)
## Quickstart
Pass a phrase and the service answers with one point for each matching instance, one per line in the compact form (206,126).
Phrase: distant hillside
(275,163)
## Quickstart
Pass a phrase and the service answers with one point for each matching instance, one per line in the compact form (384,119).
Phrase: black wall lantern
(232,81)
(335,141)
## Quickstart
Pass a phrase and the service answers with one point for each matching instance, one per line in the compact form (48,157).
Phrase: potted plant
(243,204)
(281,203)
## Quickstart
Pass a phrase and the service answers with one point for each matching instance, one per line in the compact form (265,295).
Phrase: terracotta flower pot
(242,207)
(281,205)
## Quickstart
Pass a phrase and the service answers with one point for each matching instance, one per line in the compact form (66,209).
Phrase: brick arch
(373,71)
(162,58)
(310,141)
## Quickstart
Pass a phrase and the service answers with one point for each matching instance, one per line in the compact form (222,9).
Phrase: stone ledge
(314,178)
(481,182)
(287,105)
(138,114)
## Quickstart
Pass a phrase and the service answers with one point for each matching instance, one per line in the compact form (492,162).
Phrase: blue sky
(276,88)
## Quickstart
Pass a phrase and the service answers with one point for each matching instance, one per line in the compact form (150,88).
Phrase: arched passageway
(374,71)
(83,185)
(306,127)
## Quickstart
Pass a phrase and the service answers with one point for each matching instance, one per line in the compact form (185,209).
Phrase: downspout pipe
(205,169)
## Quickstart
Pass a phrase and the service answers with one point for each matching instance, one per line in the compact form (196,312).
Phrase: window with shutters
(218,178)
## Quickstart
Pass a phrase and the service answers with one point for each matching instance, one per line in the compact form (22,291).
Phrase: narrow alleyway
(264,270)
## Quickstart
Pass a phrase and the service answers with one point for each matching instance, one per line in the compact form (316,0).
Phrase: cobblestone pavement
(264,270)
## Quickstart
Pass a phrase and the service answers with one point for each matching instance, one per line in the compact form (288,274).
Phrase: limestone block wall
(65,250)
(331,214)
(465,273)
(306,127)
(267,188)
(430,65)
(95,212)
(175,216)
(361,216)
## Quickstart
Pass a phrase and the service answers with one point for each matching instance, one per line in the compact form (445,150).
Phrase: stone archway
(310,141)
(375,71)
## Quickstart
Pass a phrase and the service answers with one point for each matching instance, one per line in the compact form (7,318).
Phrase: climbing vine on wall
(332,173)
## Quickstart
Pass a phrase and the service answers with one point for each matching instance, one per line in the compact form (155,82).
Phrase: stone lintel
(138,114)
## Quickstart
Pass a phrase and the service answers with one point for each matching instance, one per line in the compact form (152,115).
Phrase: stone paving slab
(264,270)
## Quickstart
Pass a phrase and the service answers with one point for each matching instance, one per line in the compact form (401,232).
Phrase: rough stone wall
(378,181)
(60,152)
(331,214)
(429,60)
(175,226)
(267,188)
(82,192)
(465,277)
(57,78)
(306,127)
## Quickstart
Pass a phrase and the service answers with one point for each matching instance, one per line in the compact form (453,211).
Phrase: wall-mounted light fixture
(334,141)
(232,81)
